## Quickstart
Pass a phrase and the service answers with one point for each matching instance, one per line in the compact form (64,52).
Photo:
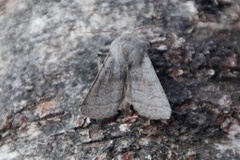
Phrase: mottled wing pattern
(145,92)
(106,92)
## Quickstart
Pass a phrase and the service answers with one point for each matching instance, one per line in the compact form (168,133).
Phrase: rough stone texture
(48,59)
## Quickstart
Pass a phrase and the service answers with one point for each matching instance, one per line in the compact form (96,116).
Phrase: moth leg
(100,60)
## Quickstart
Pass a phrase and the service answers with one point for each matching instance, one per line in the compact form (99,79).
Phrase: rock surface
(48,59)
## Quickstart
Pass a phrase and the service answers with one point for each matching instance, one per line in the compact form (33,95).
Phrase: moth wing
(106,92)
(145,92)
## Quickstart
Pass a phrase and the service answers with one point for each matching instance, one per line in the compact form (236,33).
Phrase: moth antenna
(102,31)
(144,27)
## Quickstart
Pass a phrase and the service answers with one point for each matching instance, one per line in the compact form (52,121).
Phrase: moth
(127,75)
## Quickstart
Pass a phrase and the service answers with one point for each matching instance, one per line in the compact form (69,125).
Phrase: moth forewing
(106,92)
(146,92)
